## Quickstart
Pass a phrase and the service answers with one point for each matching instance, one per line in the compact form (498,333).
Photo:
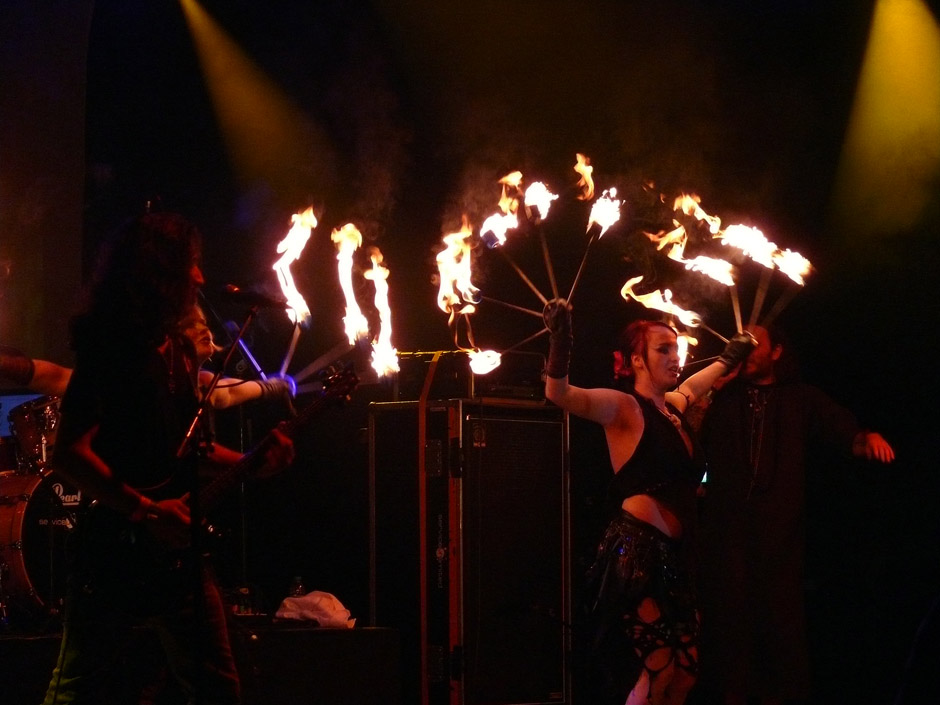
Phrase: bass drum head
(37,516)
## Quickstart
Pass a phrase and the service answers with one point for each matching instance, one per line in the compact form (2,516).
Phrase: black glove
(277,388)
(737,350)
(557,318)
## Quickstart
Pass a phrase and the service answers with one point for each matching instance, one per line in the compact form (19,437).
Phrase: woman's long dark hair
(142,287)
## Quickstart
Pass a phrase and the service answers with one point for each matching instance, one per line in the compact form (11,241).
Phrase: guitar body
(124,565)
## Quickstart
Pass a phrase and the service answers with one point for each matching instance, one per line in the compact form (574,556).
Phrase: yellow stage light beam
(889,169)
(268,137)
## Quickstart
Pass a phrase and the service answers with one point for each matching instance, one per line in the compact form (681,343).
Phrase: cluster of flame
(460,298)
(348,239)
(750,241)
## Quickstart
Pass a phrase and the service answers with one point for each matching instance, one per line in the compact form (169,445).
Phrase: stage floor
(280,662)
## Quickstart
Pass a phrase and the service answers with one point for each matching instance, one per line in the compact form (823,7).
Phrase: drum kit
(37,513)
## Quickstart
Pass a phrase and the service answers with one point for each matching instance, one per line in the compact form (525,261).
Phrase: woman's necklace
(677,422)
(672,417)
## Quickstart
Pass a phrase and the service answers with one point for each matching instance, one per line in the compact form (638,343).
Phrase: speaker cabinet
(469,535)
(298,665)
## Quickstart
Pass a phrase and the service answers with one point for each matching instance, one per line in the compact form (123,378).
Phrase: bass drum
(37,514)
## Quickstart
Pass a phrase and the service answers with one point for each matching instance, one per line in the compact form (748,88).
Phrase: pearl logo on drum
(68,498)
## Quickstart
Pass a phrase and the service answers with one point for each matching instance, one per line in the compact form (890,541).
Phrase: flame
(384,355)
(606,211)
(661,301)
(717,269)
(494,229)
(458,296)
(290,249)
(513,178)
(539,196)
(689,204)
(675,237)
(483,361)
(586,182)
(751,242)
(685,340)
(453,264)
(348,239)
(793,264)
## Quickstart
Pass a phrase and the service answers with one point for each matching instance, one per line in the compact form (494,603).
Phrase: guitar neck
(335,389)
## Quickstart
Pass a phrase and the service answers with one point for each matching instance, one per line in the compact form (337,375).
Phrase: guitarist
(124,416)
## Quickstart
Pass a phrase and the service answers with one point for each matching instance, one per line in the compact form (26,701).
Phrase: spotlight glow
(890,159)
(268,138)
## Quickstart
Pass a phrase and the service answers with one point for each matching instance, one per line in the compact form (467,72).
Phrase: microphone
(255,299)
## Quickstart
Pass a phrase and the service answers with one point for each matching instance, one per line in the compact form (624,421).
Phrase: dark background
(412,115)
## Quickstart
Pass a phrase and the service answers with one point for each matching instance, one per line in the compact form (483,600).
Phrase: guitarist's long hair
(142,286)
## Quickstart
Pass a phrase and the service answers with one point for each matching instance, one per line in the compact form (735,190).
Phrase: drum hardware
(34,426)
(4,613)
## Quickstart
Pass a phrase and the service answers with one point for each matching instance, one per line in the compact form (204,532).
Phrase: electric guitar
(123,563)
(336,387)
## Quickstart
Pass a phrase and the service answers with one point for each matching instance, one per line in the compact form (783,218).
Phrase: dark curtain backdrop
(43,49)
(414,112)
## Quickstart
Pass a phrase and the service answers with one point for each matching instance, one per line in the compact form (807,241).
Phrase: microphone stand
(245,600)
(196,518)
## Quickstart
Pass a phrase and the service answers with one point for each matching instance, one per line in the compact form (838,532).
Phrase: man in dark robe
(757,434)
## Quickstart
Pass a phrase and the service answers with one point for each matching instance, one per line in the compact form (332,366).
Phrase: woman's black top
(661,466)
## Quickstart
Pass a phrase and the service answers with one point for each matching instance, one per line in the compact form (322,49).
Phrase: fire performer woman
(124,415)
(643,597)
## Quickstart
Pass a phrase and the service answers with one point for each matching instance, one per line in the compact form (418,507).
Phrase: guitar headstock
(339,382)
